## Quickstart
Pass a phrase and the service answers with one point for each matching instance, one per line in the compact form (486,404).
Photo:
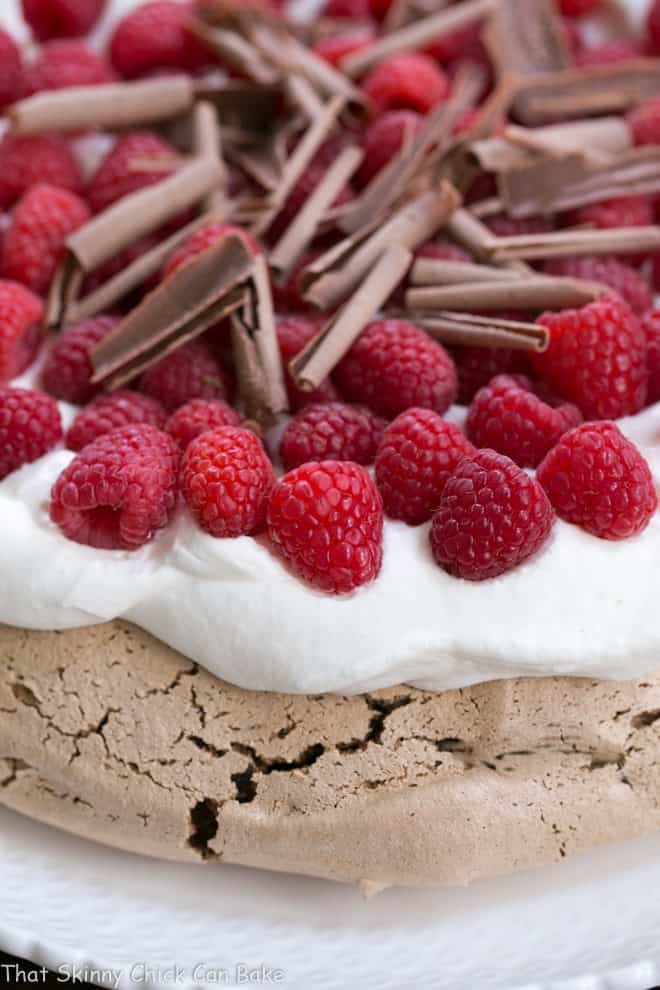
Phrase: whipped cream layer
(581,606)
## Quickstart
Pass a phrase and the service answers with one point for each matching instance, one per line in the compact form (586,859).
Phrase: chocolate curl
(188,302)
(326,349)
(333,276)
(131,277)
(112,106)
(526,38)
(599,89)
(417,35)
(207,144)
(551,185)
(433,271)
(236,51)
(298,235)
(250,108)
(566,243)
(521,146)
(533,293)
(468,330)
(391,184)
(478,240)
(64,289)
(304,152)
(303,96)
(139,213)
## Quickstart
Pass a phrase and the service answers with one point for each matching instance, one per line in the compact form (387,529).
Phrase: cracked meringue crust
(110,734)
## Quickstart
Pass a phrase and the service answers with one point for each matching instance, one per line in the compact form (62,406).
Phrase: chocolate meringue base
(110,734)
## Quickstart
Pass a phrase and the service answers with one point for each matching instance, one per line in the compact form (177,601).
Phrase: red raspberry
(506,416)
(644,122)
(226,478)
(204,238)
(30,426)
(578,8)
(109,412)
(621,211)
(61,18)
(120,490)
(596,358)
(336,47)
(287,298)
(121,173)
(609,53)
(61,64)
(651,328)
(197,416)
(331,431)
(504,226)
(156,36)
(27,161)
(418,453)
(393,365)
(11,68)
(21,314)
(383,139)
(653,27)
(68,368)
(293,333)
(356,10)
(477,365)
(623,279)
(190,372)
(597,479)
(492,516)
(35,242)
(442,250)
(326,519)
(380,8)
(406,82)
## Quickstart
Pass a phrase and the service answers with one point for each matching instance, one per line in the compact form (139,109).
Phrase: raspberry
(30,426)
(287,297)
(651,328)
(621,211)
(406,82)
(204,238)
(477,365)
(11,67)
(418,453)
(384,138)
(442,250)
(597,479)
(623,279)
(109,412)
(380,8)
(596,358)
(61,64)
(190,372)
(393,365)
(357,10)
(27,161)
(121,172)
(197,416)
(120,490)
(609,53)
(507,416)
(67,371)
(644,122)
(61,18)
(336,47)
(21,314)
(653,27)
(504,226)
(492,516)
(156,36)
(293,333)
(35,242)
(578,8)
(226,478)
(331,431)
(326,519)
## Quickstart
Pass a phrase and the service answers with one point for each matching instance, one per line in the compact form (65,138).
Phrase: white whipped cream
(581,606)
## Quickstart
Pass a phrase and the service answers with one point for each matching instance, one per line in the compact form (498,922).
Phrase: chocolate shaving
(64,289)
(236,51)
(468,330)
(533,293)
(303,96)
(188,302)
(298,235)
(319,357)
(586,92)
(434,271)
(333,276)
(111,106)
(526,38)
(207,143)
(566,243)
(551,185)
(304,152)
(139,213)
(477,239)
(521,146)
(243,105)
(419,34)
